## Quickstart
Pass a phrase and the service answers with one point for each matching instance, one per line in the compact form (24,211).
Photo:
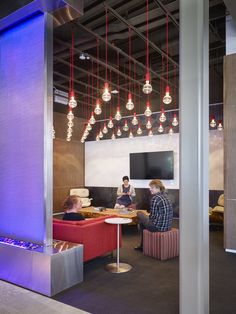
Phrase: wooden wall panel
(230,152)
(68,160)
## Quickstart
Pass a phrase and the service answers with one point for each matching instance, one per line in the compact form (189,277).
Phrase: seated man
(125,192)
(161,212)
(71,206)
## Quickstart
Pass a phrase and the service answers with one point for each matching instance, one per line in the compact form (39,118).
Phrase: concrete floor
(16,300)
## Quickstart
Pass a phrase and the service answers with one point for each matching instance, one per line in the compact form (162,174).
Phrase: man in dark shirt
(72,205)
(161,212)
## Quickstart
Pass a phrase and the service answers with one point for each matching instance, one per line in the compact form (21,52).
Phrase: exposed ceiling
(126,53)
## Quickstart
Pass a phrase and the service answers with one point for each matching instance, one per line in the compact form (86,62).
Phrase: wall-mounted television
(152,165)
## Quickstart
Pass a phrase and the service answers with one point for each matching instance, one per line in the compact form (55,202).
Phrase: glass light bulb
(106,96)
(72,102)
(97,138)
(69,130)
(97,109)
(70,115)
(131,134)
(167,99)
(171,131)
(147,88)
(82,140)
(100,134)
(160,128)
(53,133)
(126,127)
(150,133)
(86,132)
(70,123)
(68,139)
(139,131)
(134,120)
(175,120)
(148,111)
(89,127)
(92,120)
(149,124)
(130,104)
(219,126)
(212,123)
(118,133)
(113,137)
(162,117)
(104,130)
(110,123)
(118,115)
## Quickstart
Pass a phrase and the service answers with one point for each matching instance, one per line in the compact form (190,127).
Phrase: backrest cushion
(80,192)
(221,200)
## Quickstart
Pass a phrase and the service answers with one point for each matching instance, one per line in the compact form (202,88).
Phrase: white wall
(107,161)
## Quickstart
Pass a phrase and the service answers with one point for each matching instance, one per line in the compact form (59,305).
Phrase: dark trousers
(144,223)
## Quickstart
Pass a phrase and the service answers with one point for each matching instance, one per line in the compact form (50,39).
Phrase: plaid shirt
(161,212)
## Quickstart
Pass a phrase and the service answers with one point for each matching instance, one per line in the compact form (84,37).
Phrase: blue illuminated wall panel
(22,141)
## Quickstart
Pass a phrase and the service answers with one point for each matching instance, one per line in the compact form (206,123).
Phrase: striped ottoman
(161,245)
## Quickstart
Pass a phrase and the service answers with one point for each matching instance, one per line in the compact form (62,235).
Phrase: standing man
(161,212)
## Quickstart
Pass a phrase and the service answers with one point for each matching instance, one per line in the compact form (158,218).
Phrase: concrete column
(194,116)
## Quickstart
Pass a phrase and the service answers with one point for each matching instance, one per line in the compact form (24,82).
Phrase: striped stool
(161,245)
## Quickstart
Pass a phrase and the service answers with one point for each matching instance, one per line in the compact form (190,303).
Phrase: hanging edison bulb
(150,133)
(219,126)
(86,132)
(160,128)
(97,138)
(148,111)
(70,123)
(68,139)
(175,120)
(89,127)
(72,102)
(113,137)
(104,130)
(118,114)
(212,122)
(92,120)
(171,131)
(135,120)
(167,99)
(131,134)
(82,140)
(147,87)
(130,104)
(148,124)
(100,134)
(118,133)
(70,115)
(110,123)
(162,117)
(106,95)
(53,133)
(126,127)
(98,109)
(139,130)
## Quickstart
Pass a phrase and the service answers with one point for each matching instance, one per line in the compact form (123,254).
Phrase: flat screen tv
(152,165)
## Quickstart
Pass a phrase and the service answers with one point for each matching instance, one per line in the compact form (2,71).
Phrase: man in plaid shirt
(161,212)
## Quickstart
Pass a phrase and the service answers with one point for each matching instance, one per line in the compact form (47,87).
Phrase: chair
(161,245)
(216,214)
(83,194)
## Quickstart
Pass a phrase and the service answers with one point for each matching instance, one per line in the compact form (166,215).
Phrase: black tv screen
(152,165)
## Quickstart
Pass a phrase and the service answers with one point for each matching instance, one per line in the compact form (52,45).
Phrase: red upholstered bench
(161,245)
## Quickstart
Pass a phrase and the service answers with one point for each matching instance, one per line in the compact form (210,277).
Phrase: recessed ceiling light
(82,56)
(114,91)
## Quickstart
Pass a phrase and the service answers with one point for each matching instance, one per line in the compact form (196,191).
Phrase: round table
(118,267)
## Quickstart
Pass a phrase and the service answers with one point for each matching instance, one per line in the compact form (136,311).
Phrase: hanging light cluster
(213,123)
(70,124)
(106,96)
(72,103)
(147,87)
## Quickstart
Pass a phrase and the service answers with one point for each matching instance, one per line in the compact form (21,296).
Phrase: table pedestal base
(121,269)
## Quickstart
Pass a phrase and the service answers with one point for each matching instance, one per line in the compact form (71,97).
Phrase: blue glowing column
(26,129)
